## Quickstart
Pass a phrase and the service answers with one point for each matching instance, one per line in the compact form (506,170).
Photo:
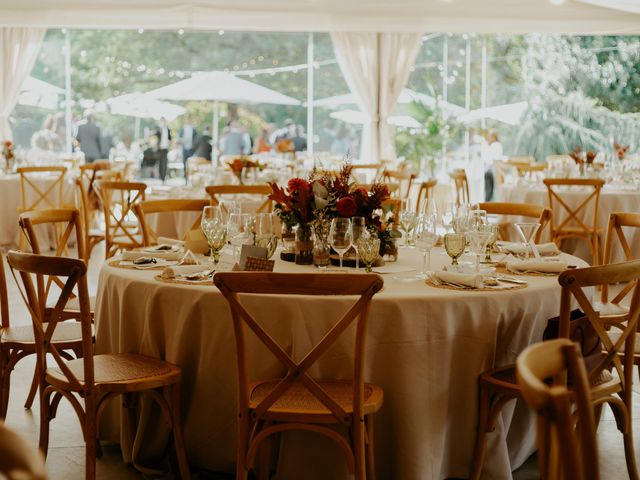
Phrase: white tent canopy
(38,93)
(487,16)
(360,118)
(142,106)
(509,113)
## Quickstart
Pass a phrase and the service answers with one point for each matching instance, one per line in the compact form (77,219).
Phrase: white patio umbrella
(220,87)
(509,113)
(38,93)
(142,106)
(359,118)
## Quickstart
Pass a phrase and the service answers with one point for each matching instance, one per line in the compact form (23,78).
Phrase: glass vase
(304,244)
(321,249)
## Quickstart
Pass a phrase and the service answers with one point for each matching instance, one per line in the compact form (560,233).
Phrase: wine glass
(340,236)
(237,230)
(478,240)
(265,233)
(358,229)
(215,231)
(227,207)
(454,244)
(407,219)
(477,218)
(368,250)
(527,232)
(426,238)
(461,219)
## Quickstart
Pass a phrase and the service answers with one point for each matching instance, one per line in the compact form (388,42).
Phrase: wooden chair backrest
(44,320)
(18,459)
(573,282)
(425,191)
(4,295)
(557,204)
(41,194)
(264,190)
(534,167)
(71,219)
(399,178)
(564,451)
(618,221)
(142,209)
(117,200)
(231,284)
(527,210)
(461,186)
(526,160)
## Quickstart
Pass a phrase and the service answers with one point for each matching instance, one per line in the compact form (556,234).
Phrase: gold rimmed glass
(454,244)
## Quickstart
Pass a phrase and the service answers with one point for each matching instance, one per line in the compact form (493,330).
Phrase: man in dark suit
(164,142)
(187,139)
(88,137)
(202,147)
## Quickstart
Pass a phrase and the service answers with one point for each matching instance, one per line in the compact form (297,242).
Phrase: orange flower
(285,146)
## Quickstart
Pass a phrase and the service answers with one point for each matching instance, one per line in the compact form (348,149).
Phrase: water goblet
(340,236)
(478,240)
(494,230)
(215,231)
(426,238)
(368,250)
(358,229)
(454,244)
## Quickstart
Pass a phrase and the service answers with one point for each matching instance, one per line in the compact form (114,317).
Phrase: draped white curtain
(19,47)
(376,67)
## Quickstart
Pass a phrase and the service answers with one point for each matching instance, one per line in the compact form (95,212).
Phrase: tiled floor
(66,451)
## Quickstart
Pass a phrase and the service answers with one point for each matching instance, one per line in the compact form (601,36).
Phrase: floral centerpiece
(8,154)
(581,157)
(315,201)
(239,165)
(621,151)
(285,146)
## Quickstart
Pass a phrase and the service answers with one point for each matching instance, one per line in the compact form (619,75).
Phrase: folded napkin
(543,248)
(134,255)
(182,270)
(169,241)
(466,279)
(536,266)
(382,269)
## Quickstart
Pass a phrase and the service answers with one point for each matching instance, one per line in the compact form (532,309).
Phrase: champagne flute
(340,236)
(454,244)
(426,238)
(478,242)
(265,233)
(368,250)
(358,229)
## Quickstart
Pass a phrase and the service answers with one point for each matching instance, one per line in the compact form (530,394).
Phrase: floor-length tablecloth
(425,347)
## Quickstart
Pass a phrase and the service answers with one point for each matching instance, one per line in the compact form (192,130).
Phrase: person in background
(202,148)
(262,142)
(235,141)
(187,139)
(150,157)
(341,145)
(298,138)
(107,143)
(89,138)
(164,135)
(491,152)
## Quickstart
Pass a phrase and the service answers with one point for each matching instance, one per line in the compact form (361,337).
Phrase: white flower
(320,190)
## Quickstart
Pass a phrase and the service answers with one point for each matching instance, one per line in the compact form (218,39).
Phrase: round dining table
(613,198)
(426,346)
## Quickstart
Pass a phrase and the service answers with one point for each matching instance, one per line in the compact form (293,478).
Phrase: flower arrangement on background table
(581,157)
(621,151)
(8,154)
(240,165)
(312,203)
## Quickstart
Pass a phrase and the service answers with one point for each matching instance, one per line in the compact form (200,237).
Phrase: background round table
(426,347)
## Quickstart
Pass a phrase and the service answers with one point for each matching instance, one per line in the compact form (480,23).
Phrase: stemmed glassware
(340,236)
(461,220)
(494,230)
(407,219)
(527,231)
(477,219)
(358,229)
(478,240)
(426,238)
(237,230)
(454,244)
(215,230)
(265,235)
(368,250)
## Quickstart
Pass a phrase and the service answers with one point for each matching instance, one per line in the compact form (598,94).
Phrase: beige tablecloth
(426,347)
(11,200)
(611,200)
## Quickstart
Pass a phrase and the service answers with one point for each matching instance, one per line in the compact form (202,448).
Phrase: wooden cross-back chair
(573,226)
(564,450)
(264,190)
(460,185)
(425,193)
(121,228)
(18,342)
(91,381)
(19,460)
(299,401)
(498,386)
(539,213)
(525,160)
(403,179)
(148,207)
(533,171)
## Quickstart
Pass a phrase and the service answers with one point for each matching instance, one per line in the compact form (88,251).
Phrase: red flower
(346,207)
(298,185)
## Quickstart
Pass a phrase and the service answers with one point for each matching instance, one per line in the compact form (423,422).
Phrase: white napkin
(182,270)
(543,248)
(536,266)
(134,255)
(392,269)
(466,279)
(169,241)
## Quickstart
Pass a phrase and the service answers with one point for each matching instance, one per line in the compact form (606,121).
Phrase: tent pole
(214,131)
(136,128)
(67,92)
(310,75)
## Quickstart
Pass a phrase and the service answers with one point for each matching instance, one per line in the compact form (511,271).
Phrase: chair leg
(241,453)
(4,394)
(359,450)
(90,444)
(178,437)
(45,418)
(370,453)
(481,432)
(629,451)
(32,391)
